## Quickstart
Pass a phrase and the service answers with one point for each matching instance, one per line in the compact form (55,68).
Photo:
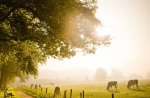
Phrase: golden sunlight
(101,31)
(129,48)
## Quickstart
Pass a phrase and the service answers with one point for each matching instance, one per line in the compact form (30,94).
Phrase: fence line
(81,94)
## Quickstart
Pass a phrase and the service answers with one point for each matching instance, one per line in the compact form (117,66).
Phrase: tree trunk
(3,80)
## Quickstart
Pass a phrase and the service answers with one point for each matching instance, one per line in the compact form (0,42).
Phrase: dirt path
(23,95)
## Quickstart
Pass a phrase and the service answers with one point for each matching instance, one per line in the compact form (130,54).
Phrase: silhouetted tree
(101,74)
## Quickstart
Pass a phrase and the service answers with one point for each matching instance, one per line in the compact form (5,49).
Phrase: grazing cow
(57,92)
(112,83)
(132,83)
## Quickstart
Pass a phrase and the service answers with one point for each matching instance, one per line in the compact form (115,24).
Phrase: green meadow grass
(94,90)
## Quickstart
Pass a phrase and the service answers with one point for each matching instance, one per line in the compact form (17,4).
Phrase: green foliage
(56,26)
(20,62)
(33,30)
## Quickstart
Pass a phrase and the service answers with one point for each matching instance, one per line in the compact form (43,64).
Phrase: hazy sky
(128,21)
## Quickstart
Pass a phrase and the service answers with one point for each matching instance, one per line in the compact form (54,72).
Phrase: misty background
(128,56)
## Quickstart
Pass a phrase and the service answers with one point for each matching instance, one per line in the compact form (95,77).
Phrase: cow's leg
(116,87)
(109,88)
(137,86)
(129,86)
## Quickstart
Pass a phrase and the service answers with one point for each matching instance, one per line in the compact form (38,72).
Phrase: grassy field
(94,90)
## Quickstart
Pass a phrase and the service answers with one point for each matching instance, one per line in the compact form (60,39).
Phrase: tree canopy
(33,30)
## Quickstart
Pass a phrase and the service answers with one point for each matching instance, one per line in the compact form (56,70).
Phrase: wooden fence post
(32,86)
(80,95)
(41,89)
(46,90)
(112,95)
(70,93)
(36,87)
(83,93)
(65,94)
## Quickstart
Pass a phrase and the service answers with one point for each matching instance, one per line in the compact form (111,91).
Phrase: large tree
(33,30)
